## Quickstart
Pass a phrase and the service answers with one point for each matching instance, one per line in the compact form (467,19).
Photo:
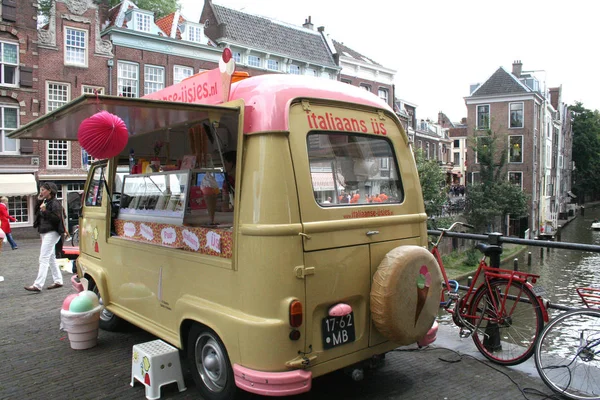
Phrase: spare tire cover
(405,296)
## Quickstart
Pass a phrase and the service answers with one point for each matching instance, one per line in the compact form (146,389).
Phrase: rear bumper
(430,337)
(272,383)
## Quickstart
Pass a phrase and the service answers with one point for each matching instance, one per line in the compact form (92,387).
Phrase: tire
(210,365)
(564,365)
(108,321)
(405,294)
(509,339)
(75,238)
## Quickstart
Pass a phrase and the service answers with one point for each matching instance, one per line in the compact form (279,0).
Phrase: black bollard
(529,259)
(542,253)
(558,233)
(582,208)
(516,264)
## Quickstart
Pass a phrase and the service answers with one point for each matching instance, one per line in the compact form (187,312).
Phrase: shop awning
(140,115)
(17,185)
(322,181)
(571,195)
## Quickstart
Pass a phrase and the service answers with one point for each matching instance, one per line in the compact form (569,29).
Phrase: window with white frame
(58,154)
(383,94)
(310,72)
(181,72)
(194,33)
(75,47)
(516,115)
(253,61)
(475,177)
(294,69)
(548,155)
(127,79)
(483,117)
(515,149)
(273,65)
(154,79)
(427,151)
(456,158)
(9,63)
(86,89)
(325,75)
(481,143)
(237,57)
(57,95)
(365,87)
(516,178)
(9,123)
(18,208)
(142,22)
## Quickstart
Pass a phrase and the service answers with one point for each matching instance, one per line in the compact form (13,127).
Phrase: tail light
(295,313)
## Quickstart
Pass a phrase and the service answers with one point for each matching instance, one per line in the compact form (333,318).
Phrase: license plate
(338,330)
(539,290)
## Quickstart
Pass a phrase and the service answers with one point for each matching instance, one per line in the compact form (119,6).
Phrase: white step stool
(156,364)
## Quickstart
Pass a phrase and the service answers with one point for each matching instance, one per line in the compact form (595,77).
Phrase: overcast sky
(439,47)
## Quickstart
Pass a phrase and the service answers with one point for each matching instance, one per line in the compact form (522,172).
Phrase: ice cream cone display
(423,284)
(227,68)
(210,191)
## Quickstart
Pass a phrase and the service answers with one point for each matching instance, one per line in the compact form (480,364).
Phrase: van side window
(348,169)
(95,190)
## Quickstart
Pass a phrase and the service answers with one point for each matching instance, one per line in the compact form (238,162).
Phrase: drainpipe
(110,64)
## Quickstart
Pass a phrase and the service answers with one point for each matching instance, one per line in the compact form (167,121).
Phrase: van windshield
(350,169)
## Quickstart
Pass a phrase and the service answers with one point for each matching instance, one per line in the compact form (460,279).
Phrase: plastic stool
(156,364)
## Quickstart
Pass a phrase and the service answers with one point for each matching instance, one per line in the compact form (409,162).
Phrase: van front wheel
(108,321)
(210,365)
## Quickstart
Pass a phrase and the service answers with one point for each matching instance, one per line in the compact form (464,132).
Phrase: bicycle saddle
(488,249)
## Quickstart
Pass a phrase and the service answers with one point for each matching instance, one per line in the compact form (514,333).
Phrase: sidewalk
(38,363)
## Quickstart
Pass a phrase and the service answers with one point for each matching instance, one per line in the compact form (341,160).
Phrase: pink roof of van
(268,98)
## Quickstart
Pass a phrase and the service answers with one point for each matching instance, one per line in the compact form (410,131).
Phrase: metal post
(494,239)
(516,264)
(558,233)
(529,259)
(542,253)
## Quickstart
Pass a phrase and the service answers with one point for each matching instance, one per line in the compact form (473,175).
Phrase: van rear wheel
(210,365)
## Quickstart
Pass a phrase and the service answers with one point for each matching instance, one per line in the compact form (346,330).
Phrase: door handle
(371,233)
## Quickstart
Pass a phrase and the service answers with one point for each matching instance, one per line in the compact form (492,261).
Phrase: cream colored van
(310,259)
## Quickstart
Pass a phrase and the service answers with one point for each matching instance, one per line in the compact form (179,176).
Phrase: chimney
(517,68)
(308,23)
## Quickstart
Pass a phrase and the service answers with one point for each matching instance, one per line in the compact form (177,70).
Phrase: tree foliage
(432,183)
(586,148)
(493,198)
(159,7)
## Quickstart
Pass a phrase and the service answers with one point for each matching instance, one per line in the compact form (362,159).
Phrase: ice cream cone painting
(227,68)
(423,284)
(210,191)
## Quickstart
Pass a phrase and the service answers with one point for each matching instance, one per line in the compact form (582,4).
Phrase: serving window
(349,169)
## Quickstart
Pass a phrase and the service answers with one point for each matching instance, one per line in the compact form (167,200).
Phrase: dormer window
(194,34)
(142,22)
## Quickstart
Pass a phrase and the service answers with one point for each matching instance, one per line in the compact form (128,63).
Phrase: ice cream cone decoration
(423,284)
(227,68)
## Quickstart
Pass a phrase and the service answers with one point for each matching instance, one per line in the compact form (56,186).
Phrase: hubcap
(211,362)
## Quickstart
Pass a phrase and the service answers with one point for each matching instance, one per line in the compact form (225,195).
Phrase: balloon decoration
(103,135)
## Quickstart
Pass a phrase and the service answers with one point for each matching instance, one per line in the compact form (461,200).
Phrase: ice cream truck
(307,257)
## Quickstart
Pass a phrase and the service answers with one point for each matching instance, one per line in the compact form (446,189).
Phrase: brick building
(530,121)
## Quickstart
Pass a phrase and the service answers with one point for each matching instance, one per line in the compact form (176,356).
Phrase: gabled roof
(501,82)
(344,50)
(166,24)
(272,36)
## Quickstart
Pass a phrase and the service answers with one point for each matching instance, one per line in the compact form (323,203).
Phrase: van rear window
(350,169)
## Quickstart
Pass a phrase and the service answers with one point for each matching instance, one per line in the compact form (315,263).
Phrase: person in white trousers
(50,224)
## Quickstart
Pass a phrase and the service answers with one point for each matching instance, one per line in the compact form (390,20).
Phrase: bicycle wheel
(567,356)
(509,337)
(75,238)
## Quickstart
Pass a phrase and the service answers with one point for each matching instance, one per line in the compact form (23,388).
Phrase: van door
(94,225)
(354,209)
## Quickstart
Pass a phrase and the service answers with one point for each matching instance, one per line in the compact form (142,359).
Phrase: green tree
(586,148)
(159,7)
(432,183)
(491,200)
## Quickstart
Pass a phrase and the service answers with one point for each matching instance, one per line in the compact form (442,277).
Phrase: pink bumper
(430,336)
(272,383)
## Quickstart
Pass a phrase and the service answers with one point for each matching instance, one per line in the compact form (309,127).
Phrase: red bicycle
(501,309)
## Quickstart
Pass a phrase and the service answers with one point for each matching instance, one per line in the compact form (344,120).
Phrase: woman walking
(4,221)
(49,223)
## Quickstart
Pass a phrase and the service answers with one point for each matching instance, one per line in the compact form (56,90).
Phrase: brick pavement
(36,361)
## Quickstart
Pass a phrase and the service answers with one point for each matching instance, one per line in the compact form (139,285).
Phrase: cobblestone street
(38,363)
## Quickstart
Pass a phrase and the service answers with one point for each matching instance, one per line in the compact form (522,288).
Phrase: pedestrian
(50,225)
(4,221)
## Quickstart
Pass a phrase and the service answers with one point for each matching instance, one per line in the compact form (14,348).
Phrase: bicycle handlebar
(451,229)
